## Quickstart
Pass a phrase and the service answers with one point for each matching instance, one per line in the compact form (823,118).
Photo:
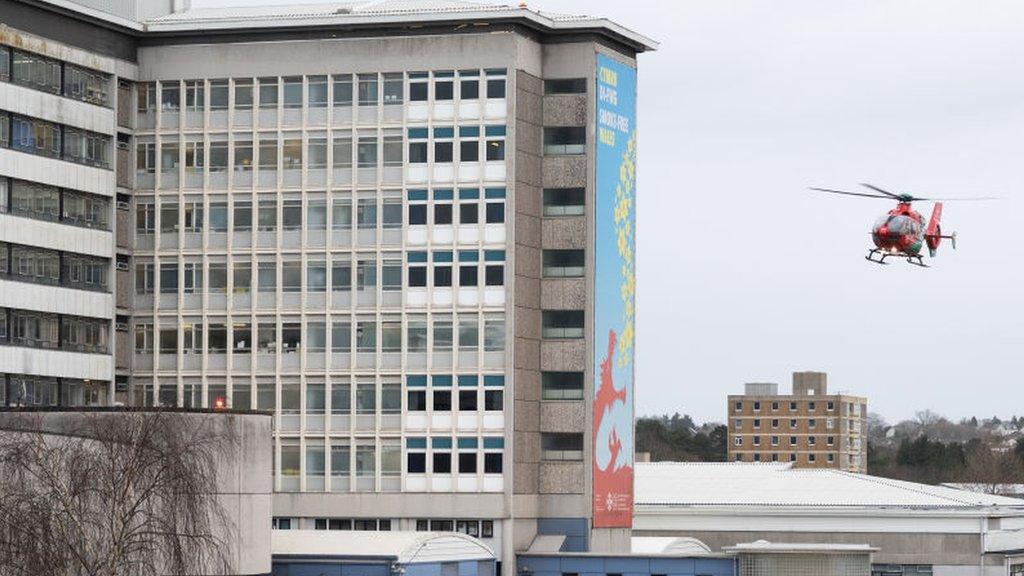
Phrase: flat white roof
(765,547)
(379,12)
(401,547)
(674,484)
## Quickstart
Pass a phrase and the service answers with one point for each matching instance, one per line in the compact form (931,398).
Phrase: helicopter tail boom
(933,234)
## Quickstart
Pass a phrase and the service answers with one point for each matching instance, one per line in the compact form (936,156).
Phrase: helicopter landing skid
(878,257)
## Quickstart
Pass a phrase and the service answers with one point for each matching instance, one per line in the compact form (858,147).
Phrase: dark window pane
(416,463)
(442,214)
(442,462)
(417,214)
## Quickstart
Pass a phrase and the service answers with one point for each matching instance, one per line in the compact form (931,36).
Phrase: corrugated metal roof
(769,484)
(402,547)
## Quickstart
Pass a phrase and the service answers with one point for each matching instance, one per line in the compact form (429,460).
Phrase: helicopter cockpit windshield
(898,225)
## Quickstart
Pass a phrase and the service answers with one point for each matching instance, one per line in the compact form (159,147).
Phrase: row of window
(340,90)
(26,390)
(794,423)
(368,394)
(53,267)
(811,441)
(193,277)
(442,334)
(346,151)
(53,140)
(53,331)
(472,455)
(811,406)
(810,458)
(42,202)
(288,214)
(54,76)
(436,457)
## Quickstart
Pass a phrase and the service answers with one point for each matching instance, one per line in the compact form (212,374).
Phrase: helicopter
(902,232)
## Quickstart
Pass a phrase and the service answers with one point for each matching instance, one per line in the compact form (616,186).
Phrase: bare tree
(113,494)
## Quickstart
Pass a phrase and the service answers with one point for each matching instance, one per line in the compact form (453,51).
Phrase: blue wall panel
(626,566)
(364,569)
(423,569)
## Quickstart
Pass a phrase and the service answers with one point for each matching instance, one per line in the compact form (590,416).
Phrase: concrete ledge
(56,236)
(55,299)
(56,363)
(56,172)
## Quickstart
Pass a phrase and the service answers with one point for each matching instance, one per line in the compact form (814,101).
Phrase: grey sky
(744,275)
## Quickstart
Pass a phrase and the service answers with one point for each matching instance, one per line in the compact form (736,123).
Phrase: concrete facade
(276,220)
(810,427)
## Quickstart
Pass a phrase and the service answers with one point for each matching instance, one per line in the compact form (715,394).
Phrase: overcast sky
(744,275)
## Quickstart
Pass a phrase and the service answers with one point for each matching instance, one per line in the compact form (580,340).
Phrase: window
(495,87)
(85,272)
(170,96)
(494,399)
(495,212)
(243,216)
(416,400)
(169,278)
(444,85)
(267,216)
(469,84)
(242,277)
(564,201)
(145,97)
(494,275)
(193,217)
(366,275)
(443,334)
(442,276)
(35,137)
(442,400)
(392,150)
(86,210)
(366,214)
(468,275)
(243,94)
(341,337)
(291,215)
(84,334)
(144,277)
(565,86)
(494,335)
(218,217)
(442,214)
(267,276)
(218,156)
(393,88)
(317,91)
(366,153)
(195,157)
(416,335)
(86,85)
(757,406)
(739,407)
(495,150)
(143,338)
(561,446)
(562,323)
(35,264)
(268,153)
(368,90)
(563,263)
(442,462)
(35,71)
(418,86)
(469,144)
(86,148)
(342,90)
(219,95)
(293,92)
(468,400)
(195,95)
(316,277)
(366,336)
(291,152)
(291,276)
(35,200)
(341,276)
(469,333)
(564,140)
(391,336)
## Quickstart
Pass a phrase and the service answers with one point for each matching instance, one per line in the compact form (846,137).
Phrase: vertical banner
(614,290)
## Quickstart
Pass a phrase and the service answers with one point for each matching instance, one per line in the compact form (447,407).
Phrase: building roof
(736,484)
(668,545)
(765,547)
(387,12)
(401,547)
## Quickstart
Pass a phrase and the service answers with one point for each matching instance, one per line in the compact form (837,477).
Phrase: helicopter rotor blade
(961,199)
(861,194)
(877,189)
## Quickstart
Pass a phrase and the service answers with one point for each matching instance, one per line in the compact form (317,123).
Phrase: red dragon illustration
(613,487)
